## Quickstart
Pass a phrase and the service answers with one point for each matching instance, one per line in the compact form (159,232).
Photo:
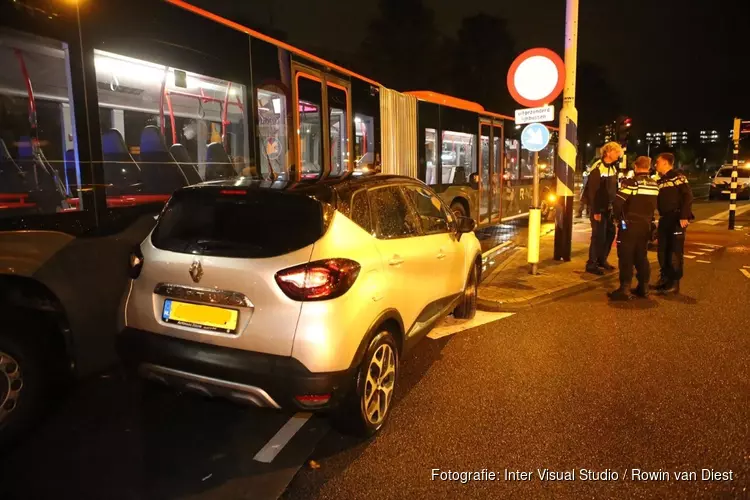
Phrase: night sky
(676,64)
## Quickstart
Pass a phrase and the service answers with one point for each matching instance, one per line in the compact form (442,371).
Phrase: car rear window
(741,172)
(239,223)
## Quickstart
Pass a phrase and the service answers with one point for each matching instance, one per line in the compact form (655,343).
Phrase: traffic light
(624,125)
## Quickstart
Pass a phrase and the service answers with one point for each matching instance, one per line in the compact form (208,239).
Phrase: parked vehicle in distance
(298,296)
(721,183)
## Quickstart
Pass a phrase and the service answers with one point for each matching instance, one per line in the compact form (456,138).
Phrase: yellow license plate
(217,319)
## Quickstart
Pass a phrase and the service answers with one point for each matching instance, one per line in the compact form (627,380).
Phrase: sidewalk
(510,286)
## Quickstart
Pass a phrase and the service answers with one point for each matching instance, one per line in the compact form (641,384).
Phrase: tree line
(404,49)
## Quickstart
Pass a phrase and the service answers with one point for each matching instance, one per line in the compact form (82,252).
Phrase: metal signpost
(535,79)
(736,132)
(535,137)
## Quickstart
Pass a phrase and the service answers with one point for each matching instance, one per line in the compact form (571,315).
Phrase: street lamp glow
(588,144)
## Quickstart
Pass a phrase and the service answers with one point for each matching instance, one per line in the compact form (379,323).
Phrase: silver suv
(301,296)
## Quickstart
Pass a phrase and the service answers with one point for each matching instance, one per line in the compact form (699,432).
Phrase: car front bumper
(716,191)
(260,379)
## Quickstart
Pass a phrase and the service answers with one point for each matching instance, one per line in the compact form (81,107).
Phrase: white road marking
(689,256)
(451,326)
(746,267)
(708,245)
(703,261)
(745,272)
(724,216)
(697,253)
(282,437)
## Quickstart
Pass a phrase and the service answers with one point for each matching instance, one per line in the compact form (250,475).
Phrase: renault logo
(196,271)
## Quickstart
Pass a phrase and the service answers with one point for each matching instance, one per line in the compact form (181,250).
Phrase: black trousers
(602,237)
(671,248)
(632,250)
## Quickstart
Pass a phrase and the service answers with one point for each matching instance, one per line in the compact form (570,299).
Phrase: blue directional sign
(535,137)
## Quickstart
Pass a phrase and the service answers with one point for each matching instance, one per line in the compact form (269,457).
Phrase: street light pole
(568,143)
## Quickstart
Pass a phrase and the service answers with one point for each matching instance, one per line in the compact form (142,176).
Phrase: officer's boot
(672,288)
(607,266)
(621,293)
(661,284)
(641,290)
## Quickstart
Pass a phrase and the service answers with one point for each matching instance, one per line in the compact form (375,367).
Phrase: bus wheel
(22,384)
(458,209)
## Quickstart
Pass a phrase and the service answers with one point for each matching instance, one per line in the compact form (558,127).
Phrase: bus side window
(154,142)
(458,157)
(39,171)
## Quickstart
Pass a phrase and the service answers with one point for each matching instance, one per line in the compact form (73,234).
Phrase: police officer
(675,212)
(601,190)
(634,208)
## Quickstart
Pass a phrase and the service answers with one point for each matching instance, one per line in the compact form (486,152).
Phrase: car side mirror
(465,225)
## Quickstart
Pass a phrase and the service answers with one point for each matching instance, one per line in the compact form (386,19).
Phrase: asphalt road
(661,384)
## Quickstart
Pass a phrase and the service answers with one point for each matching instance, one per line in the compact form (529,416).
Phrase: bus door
(490,171)
(498,153)
(323,124)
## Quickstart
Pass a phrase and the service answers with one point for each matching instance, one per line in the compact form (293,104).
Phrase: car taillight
(136,263)
(320,280)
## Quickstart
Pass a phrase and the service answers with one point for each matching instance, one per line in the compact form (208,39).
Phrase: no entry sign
(536,77)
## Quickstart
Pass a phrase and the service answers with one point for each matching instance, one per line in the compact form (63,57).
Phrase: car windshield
(254,223)
(743,173)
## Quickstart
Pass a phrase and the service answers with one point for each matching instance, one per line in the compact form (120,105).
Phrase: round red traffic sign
(536,77)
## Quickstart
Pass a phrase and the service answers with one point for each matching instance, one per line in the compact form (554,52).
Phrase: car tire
(24,386)
(360,413)
(467,308)
(458,209)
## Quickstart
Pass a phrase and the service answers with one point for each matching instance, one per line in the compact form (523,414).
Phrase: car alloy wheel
(379,384)
(11,384)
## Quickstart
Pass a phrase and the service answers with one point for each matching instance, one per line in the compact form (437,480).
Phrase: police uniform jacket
(675,195)
(601,187)
(636,199)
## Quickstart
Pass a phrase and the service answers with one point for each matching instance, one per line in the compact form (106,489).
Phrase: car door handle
(441,255)
(395,261)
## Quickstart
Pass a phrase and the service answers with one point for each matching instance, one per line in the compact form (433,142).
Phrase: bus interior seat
(459,176)
(40,175)
(160,172)
(121,173)
(12,178)
(218,164)
(181,155)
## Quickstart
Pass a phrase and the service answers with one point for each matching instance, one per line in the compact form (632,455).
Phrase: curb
(544,298)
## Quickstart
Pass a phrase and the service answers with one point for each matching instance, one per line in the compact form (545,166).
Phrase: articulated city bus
(106,108)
